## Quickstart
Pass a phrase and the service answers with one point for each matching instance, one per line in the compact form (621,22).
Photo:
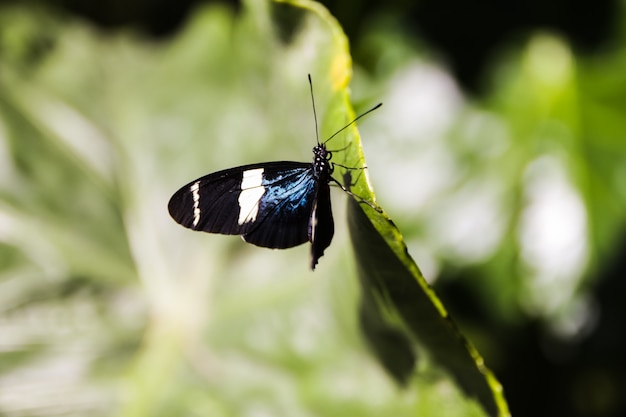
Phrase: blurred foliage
(514,203)
(95,133)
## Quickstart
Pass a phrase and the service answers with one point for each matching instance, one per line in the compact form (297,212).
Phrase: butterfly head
(322,167)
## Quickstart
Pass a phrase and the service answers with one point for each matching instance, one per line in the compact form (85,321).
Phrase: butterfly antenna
(317,137)
(357,118)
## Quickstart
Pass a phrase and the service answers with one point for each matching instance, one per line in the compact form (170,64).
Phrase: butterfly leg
(347,175)
(340,149)
(360,199)
(350,168)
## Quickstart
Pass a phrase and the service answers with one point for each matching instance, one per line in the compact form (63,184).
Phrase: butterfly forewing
(285,209)
(268,204)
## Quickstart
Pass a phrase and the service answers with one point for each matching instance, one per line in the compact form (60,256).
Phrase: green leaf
(406,310)
(398,306)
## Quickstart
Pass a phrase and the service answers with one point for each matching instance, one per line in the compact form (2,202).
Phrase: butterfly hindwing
(321,224)
(269,204)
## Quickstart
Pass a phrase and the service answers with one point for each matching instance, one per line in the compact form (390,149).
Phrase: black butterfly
(271,204)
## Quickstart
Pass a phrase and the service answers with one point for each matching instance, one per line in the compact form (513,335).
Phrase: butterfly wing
(269,204)
(321,225)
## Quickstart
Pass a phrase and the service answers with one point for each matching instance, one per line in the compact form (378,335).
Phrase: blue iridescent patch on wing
(291,191)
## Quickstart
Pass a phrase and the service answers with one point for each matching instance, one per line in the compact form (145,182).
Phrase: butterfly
(275,205)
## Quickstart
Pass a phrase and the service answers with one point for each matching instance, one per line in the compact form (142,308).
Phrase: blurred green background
(499,152)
